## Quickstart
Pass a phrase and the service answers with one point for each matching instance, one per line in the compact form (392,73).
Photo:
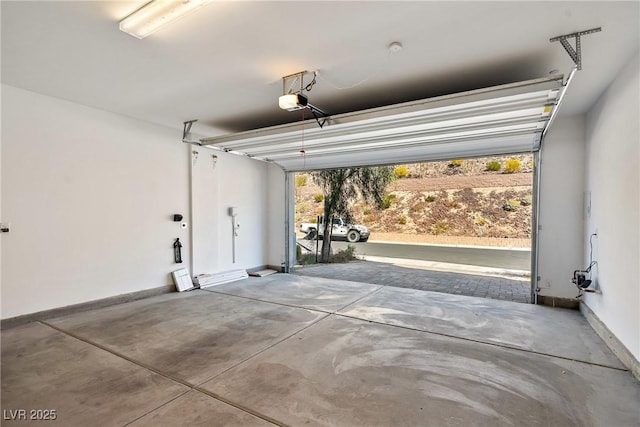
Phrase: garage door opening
(462,226)
(507,119)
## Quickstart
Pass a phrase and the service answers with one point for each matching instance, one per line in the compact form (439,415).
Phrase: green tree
(340,186)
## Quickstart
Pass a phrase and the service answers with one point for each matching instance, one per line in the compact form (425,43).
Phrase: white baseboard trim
(612,341)
(84,306)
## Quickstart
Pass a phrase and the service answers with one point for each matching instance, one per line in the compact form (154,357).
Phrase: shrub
(303,207)
(344,255)
(306,259)
(418,207)
(512,166)
(301,180)
(494,166)
(387,200)
(402,220)
(318,198)
(367,212)
(456,163)
(401,172)
(431,198)
(526,200)
(454,204)
(511,205)
(440,227)
(481,221)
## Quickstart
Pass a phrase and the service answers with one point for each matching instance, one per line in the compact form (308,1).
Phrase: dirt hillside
(454,202)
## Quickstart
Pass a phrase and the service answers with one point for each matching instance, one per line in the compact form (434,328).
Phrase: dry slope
(452,202)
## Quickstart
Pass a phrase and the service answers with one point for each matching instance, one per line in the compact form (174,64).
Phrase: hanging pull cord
(303,152)
(177,251)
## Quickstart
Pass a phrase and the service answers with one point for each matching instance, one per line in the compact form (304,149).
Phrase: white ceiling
(223,64)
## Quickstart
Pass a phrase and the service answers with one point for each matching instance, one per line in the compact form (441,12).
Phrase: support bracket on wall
(186,132)
(575,54)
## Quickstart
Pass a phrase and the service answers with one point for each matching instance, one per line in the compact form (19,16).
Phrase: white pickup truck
(341,230)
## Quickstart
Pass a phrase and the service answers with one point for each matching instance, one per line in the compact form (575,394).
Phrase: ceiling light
(395,47)
(155,14)
(293,101)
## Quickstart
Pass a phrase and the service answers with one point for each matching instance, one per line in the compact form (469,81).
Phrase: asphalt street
(507,258)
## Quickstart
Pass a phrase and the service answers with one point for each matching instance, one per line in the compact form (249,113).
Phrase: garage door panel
(501,120)
(445,150)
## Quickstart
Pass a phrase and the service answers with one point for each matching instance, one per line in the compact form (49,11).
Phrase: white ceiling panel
(223,65)
(498,120)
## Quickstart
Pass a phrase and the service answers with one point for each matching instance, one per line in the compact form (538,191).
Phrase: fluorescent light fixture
(155,14)
(293,101)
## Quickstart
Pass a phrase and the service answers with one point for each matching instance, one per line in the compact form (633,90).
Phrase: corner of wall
(613,206)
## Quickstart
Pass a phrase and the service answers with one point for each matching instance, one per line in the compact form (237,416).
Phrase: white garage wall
(275,249)
(561,218)
(613,182)
(205,206)
(90,196)
(232,181)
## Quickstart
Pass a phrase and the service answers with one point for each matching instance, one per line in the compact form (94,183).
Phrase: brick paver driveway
(416,278)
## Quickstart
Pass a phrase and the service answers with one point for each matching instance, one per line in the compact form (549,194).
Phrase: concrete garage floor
(293,350)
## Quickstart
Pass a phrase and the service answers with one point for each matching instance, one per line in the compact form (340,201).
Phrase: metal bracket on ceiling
(575,54)
(320,116)
(293,83)
(186,132)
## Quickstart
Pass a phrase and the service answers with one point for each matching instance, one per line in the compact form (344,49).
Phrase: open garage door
(499,120)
